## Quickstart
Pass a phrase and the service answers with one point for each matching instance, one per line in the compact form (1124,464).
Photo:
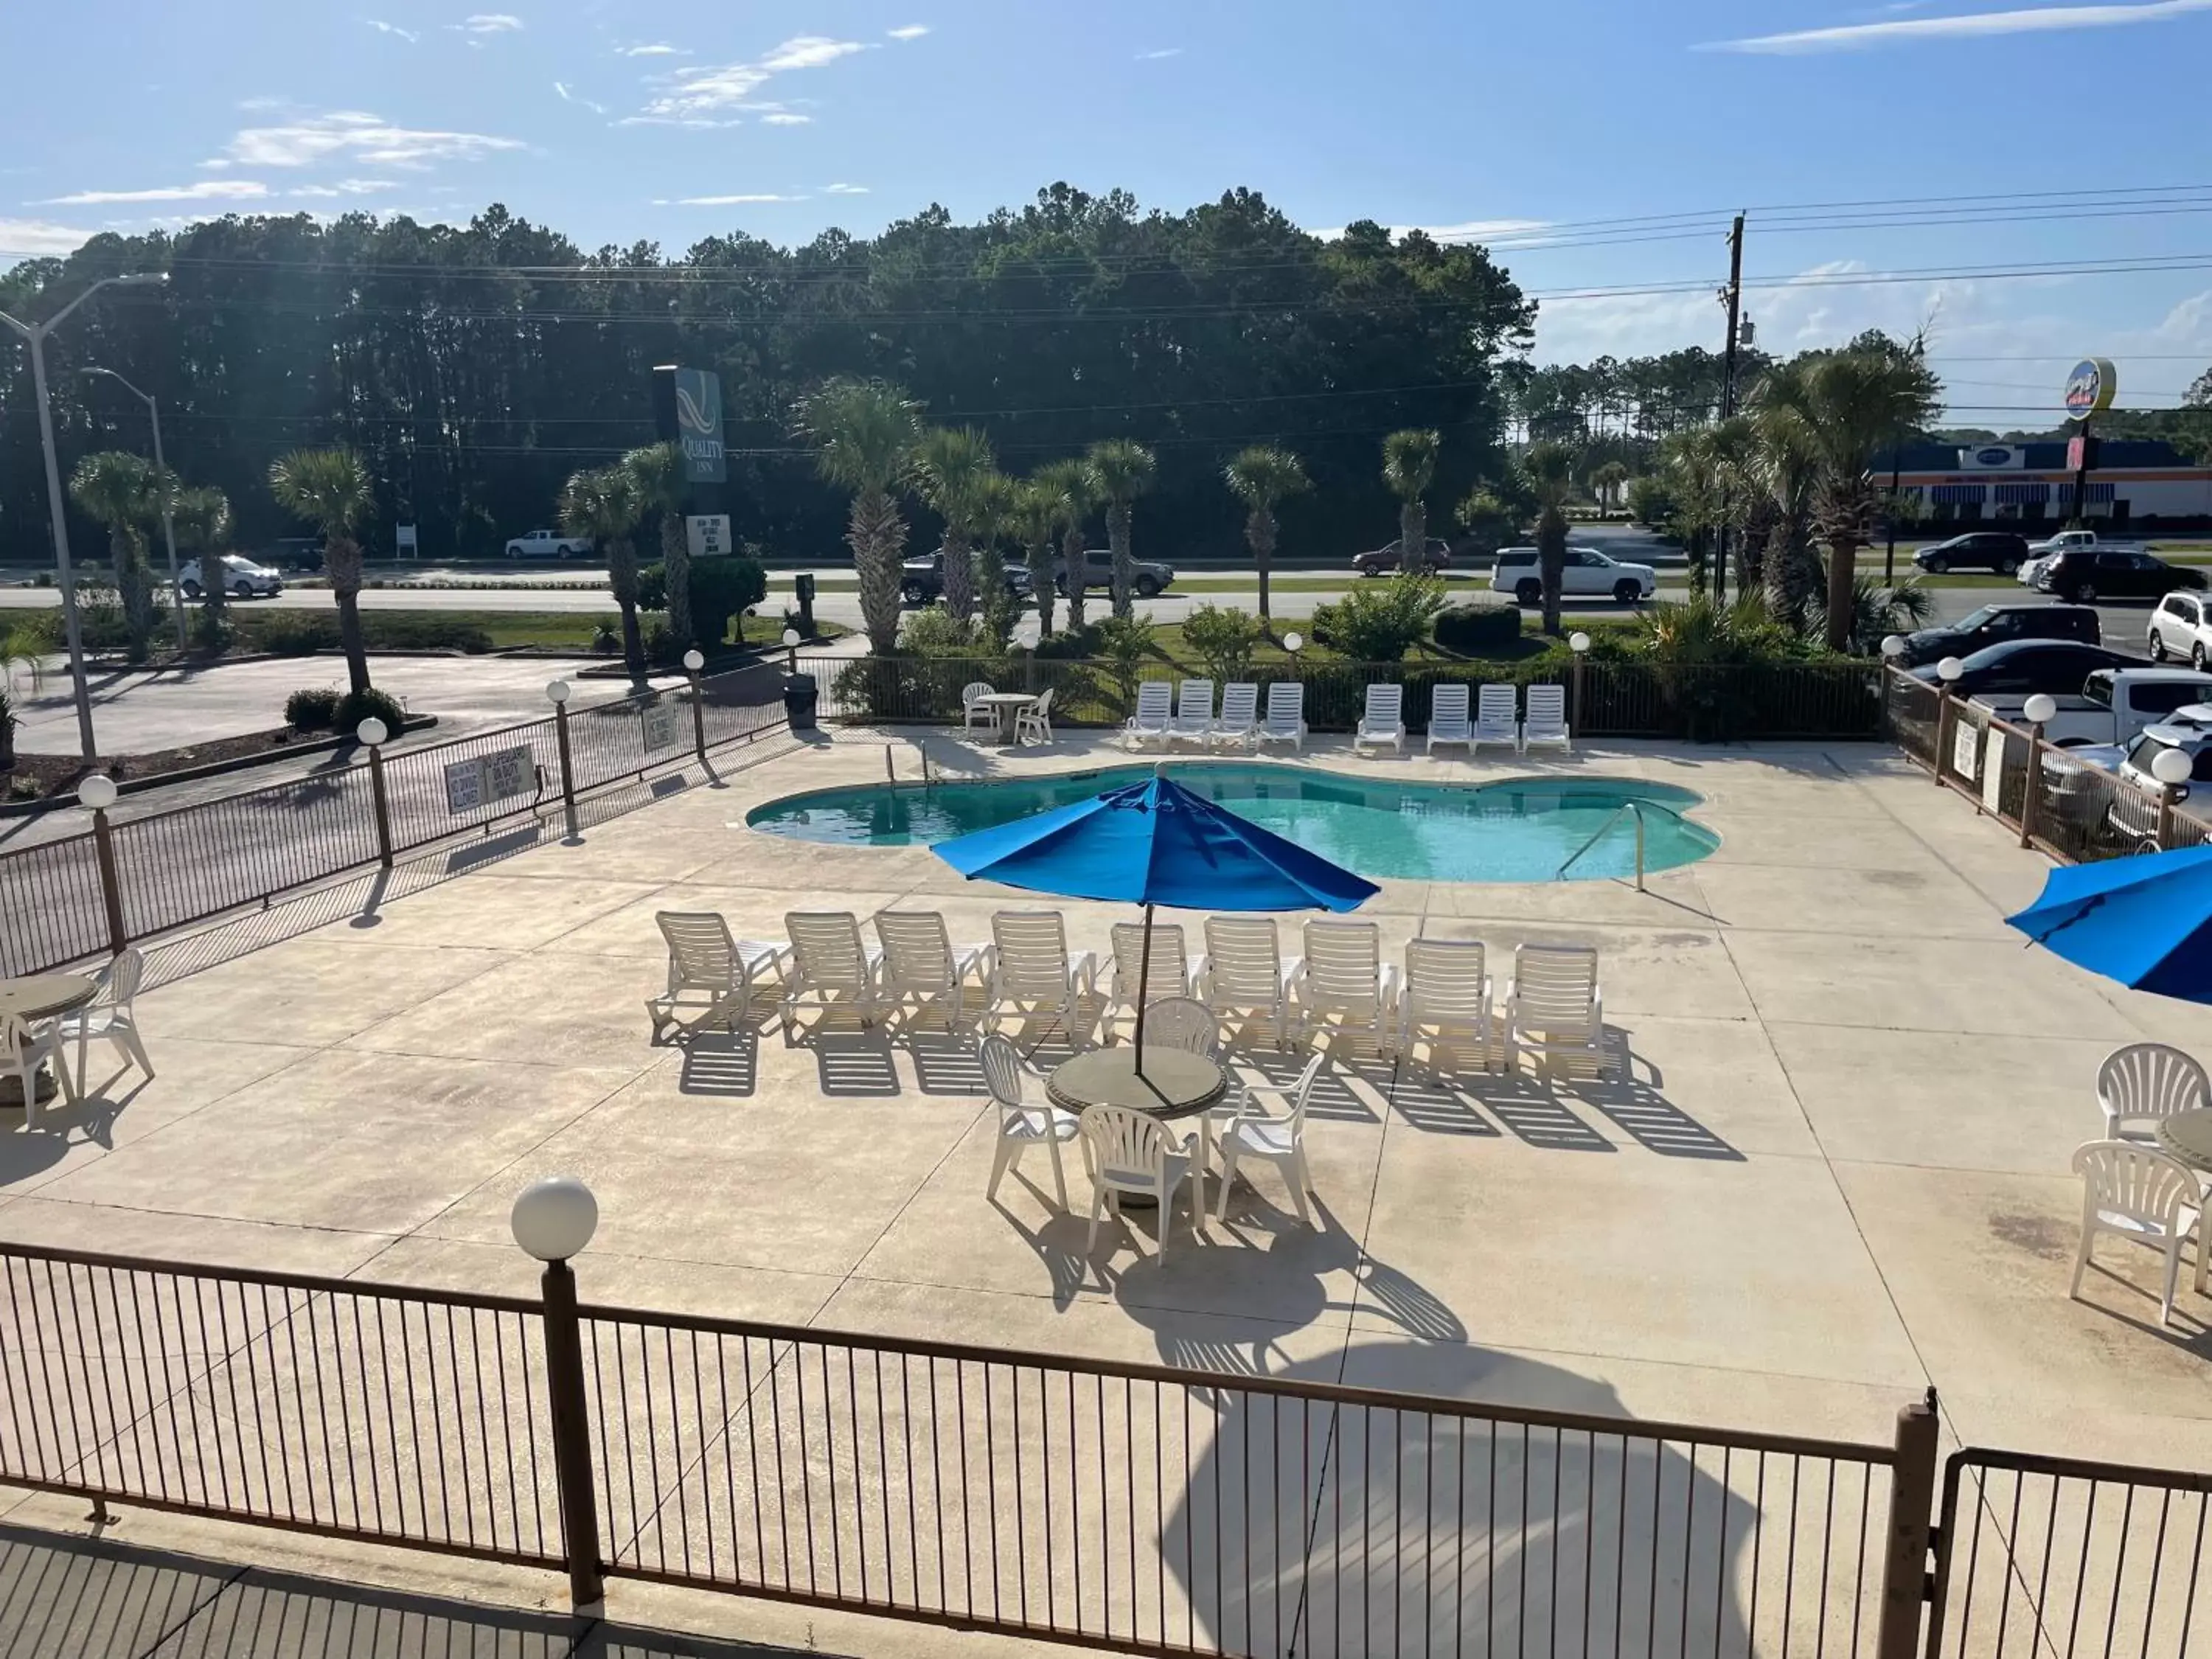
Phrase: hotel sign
(688,409)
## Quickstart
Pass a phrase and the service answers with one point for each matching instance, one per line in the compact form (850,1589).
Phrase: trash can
(798,696)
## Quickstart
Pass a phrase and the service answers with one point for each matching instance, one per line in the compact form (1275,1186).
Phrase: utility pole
(1732,299)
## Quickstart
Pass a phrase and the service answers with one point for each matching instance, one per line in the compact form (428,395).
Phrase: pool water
(1519,830)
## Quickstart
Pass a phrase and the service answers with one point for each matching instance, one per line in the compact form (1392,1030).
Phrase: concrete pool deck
(1838,1172)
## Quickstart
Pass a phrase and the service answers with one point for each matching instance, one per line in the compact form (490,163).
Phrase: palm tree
(1075,496)
(124,493)
(657,471)
(1785,468)
(202,519)
(330,489)
(1261,477)
(1120,470)
(604,504)
(954,466)
(1607,480)
(1033,517)
(865,431)
(1548,469)
(994,522)
(1854,403)
(1409,467)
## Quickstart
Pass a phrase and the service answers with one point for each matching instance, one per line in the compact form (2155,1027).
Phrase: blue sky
(1521,123)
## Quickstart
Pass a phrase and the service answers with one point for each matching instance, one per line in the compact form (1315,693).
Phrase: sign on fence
(660,724)
(1967,751)
(1993,760)
(472,785)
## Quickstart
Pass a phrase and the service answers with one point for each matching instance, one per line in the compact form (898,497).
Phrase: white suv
(2135,815)
(1588,573)
(242,579)
(2180,626)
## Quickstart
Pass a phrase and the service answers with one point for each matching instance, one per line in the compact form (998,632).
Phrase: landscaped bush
(355,707)
(291,634)
(720,588)
(294,633)
(1470,629)
(312,708)
(1380,621)
(1224,640)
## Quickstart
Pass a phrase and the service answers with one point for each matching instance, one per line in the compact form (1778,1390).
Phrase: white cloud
(410,36)
(1470,230)
(808,51)
(910,32)
(1959,27)
(748,198)
(655,49)
(347,187)
(695,92)
(1155,56)
(487,22)
(360,137)
(785,118)
(569,97)
(207,190)
(31,239)
(844,190)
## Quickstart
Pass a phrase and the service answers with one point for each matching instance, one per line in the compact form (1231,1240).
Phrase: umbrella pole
(1144,980)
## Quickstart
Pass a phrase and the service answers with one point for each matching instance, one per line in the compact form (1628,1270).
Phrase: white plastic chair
(971,710)
(704,960)
(2141,1194)
(1343,975)
(1553,1005)
(1240,715)
(1154,716)
(1446,994)
(1033,723)
(1026,1118)
(1548,719)
(1031,971)
(921,966)
(1448,721)
(1382,723)
(23,1050)
(2145,1083)
(1286,714)
(1184,1023)
(830,965)
(109,1013)
(1131,1152)
(1497,718)
(1243,972)
(1170,966)
(1280,1140)
(1193,715)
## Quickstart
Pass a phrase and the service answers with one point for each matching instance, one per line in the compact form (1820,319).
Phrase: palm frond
(1263,475)
(1120,469)
(1409,462)
(864,432)
(329,488)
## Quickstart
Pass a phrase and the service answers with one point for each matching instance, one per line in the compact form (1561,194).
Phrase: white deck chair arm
(1201,975)
(1083,970)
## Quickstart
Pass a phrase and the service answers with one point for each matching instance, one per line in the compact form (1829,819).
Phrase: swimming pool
(1519,830)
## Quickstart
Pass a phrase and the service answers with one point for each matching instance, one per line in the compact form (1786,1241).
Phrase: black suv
(922,581)
(2086,575)
(1999,624)
(1983,549)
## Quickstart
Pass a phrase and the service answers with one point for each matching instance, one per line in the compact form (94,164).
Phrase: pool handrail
(1612,819)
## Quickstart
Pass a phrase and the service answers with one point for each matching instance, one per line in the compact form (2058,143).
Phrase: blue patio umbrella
(2145,922)
(1153,843)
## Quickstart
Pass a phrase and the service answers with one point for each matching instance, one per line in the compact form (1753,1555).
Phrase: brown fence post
(557,695)
(97,791)
(2034,785)
(1942,731)
(692,662)
(1904,1575)
(553,1220)
(372,731)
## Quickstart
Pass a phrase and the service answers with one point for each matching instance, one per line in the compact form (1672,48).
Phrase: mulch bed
(36,776)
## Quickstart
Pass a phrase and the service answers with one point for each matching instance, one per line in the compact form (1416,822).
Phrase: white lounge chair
(1193,715)
(972,710)
(1281,1140)
(1026,1117)
(705,961)
(1240,716)
(1170,966)
(922,967)
(1497,718)
(1154,717)
(1448,720)
(1243,972)
(1383,722)
(1286,714)
(1445,995)
(831,966)
(109,1013)
(1554,1007)
(1031,971)
(23,1050)
(1033,723)
(2141,1194)
(1548,719)
(1131,1152)
(1343,976)
(2145,1082)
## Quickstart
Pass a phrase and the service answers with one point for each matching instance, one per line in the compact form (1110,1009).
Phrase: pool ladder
(1604,829)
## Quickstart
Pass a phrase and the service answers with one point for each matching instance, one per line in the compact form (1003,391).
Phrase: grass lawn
(505,630)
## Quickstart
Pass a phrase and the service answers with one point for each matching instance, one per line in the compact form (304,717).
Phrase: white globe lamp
(554,1219)
(2170,766)
(97,791)
(1950,670)
(557,693)
(694,661)
(1578,643)
(2039,708)
(372,731)
(1894,646)
(1294,643)
(791,636)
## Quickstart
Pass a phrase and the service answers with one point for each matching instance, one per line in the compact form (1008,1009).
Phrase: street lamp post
(36,334)
(169,514)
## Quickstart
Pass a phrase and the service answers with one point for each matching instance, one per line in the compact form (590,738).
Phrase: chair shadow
(1639,1108)
(944,1062)
(852,1060)
(722,1063)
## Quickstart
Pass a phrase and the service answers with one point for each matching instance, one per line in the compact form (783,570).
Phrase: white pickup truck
(550,544)
(2069,541)
(2112,708)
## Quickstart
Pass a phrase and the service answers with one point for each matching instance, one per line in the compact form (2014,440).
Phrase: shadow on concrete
(724,1063)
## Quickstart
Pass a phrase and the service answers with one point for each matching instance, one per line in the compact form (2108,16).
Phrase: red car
(1384,560)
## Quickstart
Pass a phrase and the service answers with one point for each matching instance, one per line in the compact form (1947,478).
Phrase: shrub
(653,588)
(1650,502)
(312,708)
(936,632)
(296,634)
(720,588)
(1380,621)
(355,707)
(1470,629)
(1125,642)
(606,636)
(1223,641)
(387,631)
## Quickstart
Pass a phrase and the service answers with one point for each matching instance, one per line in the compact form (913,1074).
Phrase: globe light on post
(97,791)
(1294,643)
(1950,670)
(372,731)
(791,637)
(694,661)
(2039,708)
(1893,647)
(557,693)
(554,1219)
(1579,644)
(2170,766)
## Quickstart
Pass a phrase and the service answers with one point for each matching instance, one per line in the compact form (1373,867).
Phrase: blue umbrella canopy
(2146,922)
(1155,842)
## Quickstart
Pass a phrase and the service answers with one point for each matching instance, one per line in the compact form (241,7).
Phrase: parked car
(2021,667)
(2181,626)
(550,544)
(1993,624)
(2135,816)
(1384,560)
(2112,706)
(1981,549)
(1588,572)
(242,579)
(2087,577)
(1151,577)
(922,581)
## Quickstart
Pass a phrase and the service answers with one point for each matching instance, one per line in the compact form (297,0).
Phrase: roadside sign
(2091,387)
(487,779)
(659,727)
(709,534)
(405,545)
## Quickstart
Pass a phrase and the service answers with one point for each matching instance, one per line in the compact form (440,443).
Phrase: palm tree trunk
(213,595)
(136,585)
(878,537)
(622,580)
(342,564)
(1843,572)
(1072,549)
(960,575)
(1260,531)
(1040,557)
(1414,538)
(1125,569)
(675,565)
(1551,563)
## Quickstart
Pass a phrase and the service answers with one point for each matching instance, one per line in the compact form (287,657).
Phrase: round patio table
(1004,706)
(39,997)
(2188,1136)
(1175,1083)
